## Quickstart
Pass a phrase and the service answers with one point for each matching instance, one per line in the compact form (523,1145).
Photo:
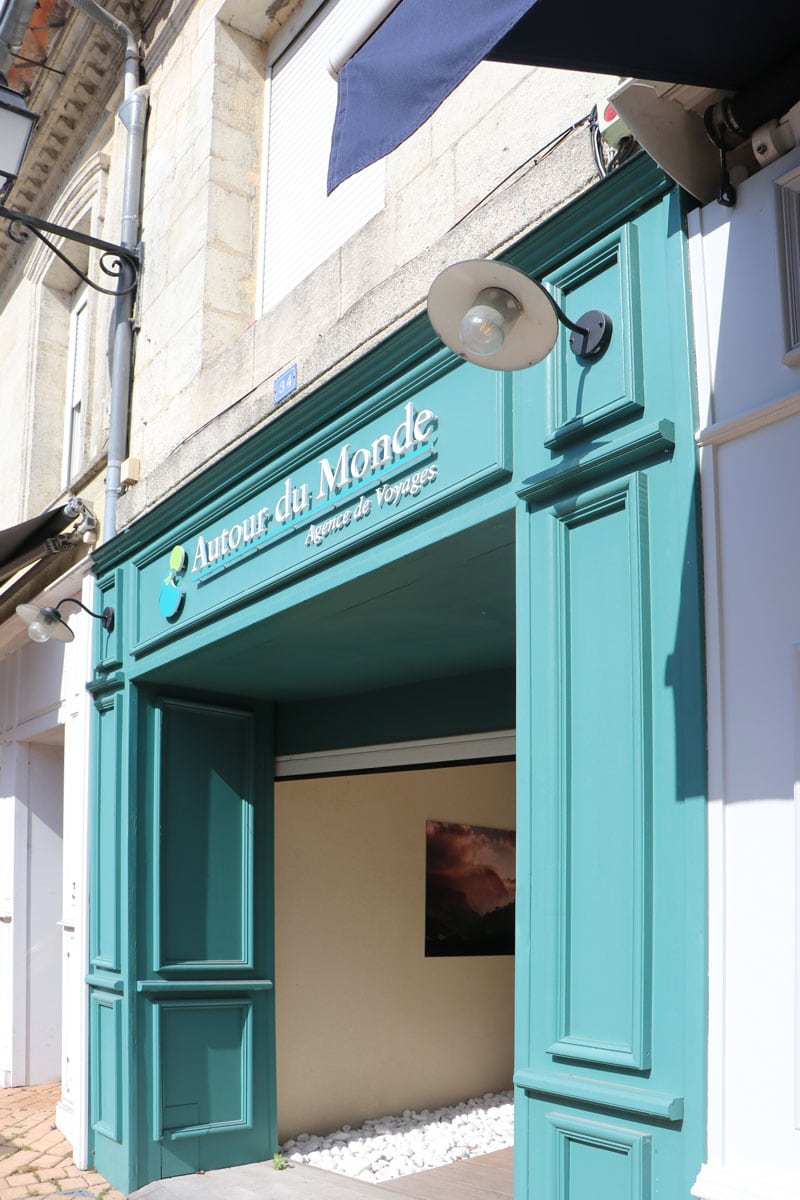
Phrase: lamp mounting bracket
(591,336)
(118,262)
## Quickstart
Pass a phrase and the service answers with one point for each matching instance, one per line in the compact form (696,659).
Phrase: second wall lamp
(496,316)
(47,623)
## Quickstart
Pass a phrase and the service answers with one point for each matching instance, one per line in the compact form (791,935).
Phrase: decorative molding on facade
(84,195)
(760,418)
(71,105)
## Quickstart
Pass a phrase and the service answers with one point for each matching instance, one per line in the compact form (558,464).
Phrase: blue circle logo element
(171,596)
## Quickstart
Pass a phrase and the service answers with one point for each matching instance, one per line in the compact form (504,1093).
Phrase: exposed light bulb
(488,323)
(38,631)
(482,330)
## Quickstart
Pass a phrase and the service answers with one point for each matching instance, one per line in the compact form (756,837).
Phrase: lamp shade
(16,125)
(44,624)
(529,337)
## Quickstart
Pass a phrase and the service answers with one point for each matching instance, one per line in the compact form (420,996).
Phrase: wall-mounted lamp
(46,623)
(16,125)
(496,316)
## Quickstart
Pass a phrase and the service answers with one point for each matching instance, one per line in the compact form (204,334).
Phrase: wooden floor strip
(487,1177)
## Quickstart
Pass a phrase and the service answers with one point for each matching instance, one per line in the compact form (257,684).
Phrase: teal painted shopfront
(420,551)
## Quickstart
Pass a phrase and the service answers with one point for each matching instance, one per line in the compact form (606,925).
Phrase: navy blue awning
(424,49)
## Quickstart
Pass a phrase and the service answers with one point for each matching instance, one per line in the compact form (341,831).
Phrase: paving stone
(45,1162)
(25,1179)
(16,1162)
(56,1173)
(46,1170)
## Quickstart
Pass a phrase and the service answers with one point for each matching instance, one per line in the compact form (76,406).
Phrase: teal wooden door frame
(112,1077)
(611,999)
(611,958)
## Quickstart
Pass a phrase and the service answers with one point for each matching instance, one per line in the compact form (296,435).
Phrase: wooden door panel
(206,1009)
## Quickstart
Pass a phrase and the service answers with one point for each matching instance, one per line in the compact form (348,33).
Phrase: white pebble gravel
(387,1147)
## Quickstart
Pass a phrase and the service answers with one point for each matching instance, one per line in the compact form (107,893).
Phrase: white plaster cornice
(750,422)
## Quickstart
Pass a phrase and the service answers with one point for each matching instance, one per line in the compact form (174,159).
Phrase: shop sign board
(447,440)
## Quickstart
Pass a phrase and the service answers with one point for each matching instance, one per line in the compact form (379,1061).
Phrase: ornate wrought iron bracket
(116,261)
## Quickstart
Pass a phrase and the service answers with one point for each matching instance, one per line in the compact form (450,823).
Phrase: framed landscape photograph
(470,886)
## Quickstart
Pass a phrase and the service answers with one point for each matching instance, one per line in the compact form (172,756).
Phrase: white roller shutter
(303,226)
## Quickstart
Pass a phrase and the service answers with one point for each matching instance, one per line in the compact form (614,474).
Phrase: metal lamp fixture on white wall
(496,316)
(47,623)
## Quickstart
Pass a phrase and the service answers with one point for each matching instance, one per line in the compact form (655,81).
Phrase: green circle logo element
(171,596)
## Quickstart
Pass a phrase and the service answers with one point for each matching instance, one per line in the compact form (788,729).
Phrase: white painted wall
(44,714)
(749,435)
(75,714)
(44,788)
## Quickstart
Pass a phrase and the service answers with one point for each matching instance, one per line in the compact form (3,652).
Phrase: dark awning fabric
(425,48)
(401,75)
(25,543)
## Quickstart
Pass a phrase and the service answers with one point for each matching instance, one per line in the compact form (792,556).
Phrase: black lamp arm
(564,319)
(106,616)
(124,266)
(589,340)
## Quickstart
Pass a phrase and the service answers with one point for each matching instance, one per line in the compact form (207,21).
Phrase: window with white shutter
(303,226)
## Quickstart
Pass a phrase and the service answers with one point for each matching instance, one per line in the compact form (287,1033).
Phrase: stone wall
(478,175)
(464,185)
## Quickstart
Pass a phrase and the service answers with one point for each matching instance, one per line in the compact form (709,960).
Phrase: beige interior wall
(366,1024)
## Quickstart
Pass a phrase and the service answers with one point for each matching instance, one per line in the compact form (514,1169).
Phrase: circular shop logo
(171,596)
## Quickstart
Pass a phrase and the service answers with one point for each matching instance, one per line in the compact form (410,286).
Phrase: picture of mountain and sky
(469,890)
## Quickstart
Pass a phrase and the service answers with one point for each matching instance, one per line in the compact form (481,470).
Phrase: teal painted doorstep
(556,543)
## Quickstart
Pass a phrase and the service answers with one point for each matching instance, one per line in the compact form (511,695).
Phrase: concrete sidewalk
(485,1177)
(259,1181)
(35,1157)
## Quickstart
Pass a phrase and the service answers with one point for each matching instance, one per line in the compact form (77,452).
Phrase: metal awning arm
(119,262)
